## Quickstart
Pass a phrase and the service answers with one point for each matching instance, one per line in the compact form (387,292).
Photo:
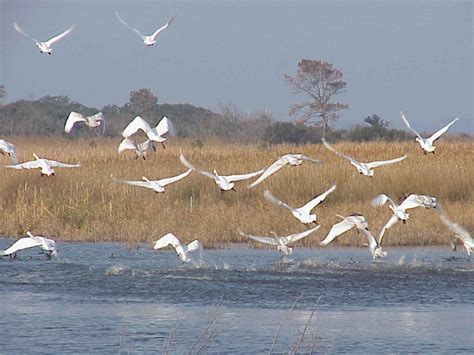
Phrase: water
(236,300)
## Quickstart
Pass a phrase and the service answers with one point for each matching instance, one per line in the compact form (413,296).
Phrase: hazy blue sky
(412,56)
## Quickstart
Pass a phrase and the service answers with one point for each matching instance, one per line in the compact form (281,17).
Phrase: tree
(142,102)
(321,81)
(3,93)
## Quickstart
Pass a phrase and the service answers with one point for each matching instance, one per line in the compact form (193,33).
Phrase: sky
(405,55)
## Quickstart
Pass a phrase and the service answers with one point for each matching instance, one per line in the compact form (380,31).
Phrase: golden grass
(85,205)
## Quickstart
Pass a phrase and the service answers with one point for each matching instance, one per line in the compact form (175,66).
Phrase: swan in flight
(45,165)
(427,143)
(91,121)
(44,47)
(399,211)
(281,242)
(363,168)
(292,159)
(155,185)
(140,149)
(148,40)
(358,221)
(47,245)
(225,182)
(303,212)
(154,134)
(6,148)
(183,251)
(459,232)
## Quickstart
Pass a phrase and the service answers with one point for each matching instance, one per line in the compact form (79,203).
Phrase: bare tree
(321,81)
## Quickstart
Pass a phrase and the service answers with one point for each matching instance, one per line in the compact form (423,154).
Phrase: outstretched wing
(317,200)
(391,222)
(168,239)
(352,160)
(305,157)
(163,126)
(126,144)
(381,199)
(459,231)
(141,35)
(72,119)
(133,182)
(414,200)
(443,130)
(265,240)
(167,181)
(295,237)
(194,245)
(277,165)
(231,178)
(336,230)
(53,40)
(34,164)
(408,125)
(162,28)
(136,124)
(58,164)
(376,164)
(187,164)
(268,195)
(20,244)
(22,32)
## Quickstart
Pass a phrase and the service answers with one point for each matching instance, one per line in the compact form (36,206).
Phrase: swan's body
(363,168)
(282,243)
(291,159)
(225,182)
(140,149)
(44,47)
(6,148)
(183,251)
(154,134)
(48,245)
(148,40)
(303,213)
(359,222)
(45,165)
(155,185)
(91,121)
(459,232)
(427,143)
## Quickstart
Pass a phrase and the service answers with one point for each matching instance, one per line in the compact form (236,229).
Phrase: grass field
(84,204)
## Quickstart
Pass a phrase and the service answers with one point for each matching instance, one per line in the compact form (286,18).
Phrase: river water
(105,298)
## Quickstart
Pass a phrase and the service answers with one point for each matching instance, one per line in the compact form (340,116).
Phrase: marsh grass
(84,204)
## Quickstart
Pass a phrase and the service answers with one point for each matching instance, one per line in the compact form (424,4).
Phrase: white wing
(408,125)
(337,230)
(167,181)
(126,144)
(352,160)
(459,231)
(277,165)
(187,164)
(72,119)
(22,32)
(265,240)
(295,237)
(141,35)
(413,201)
(376,164)
(193,246)
(381,199)
(443,130)
(169,239)
(370,239)
(268,195)
(231,178)
(163,126)
(134,182)
(34,164)
(136,124)
(58,164)
(391,222)
(158,31)
(53,40)
(20,244)
(305,157)
(317,200)
(9,149)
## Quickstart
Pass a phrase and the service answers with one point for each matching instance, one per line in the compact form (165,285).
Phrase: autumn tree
(321,81)
(142,102)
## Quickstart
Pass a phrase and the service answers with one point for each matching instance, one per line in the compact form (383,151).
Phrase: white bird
(148,40)
(399,211)
(140,149)
(225,182)
(427,143)
(363,168)
(281,242)
(292,159)
(48,245)
(155,185)
(6,148)
(154,134)
(303,212)
(459,232)
(91,121)
(44,47)
(358,221)
(183,251)
(45,165)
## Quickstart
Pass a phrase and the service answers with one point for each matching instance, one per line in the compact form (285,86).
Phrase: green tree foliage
(375,128)
(286,132)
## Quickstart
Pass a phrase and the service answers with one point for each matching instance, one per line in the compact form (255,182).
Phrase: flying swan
(140,149)
(91,121)
(183,251)
(45,165)
(44,47)
(459,232)
(154,134)
(155,185)
(47,245)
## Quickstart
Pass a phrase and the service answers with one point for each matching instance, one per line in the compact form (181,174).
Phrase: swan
(363,168)
(292,159)
(44,47)
(302,213)
(154,134)
(225,182)
(6,148)
(91,121)
(281,242)
(459,232)
(427,143)
(358,221)
(140,149)
(45,165)
(155,185)
(183,251)
(47,245)
(148,40)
